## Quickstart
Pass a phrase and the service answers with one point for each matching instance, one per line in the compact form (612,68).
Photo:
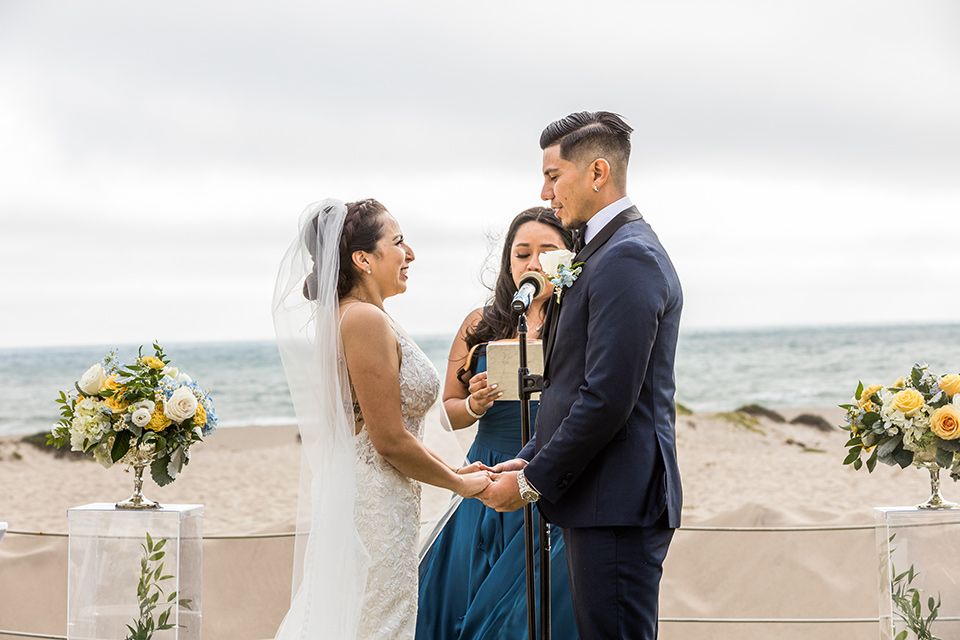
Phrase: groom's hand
(510,465)
(503,494)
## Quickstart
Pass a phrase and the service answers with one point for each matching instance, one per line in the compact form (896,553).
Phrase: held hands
(499,489)
(473,482)
(503,494)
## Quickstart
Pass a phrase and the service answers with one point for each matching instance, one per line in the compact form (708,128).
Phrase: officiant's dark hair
(587,135)
(499,320)
(362,230)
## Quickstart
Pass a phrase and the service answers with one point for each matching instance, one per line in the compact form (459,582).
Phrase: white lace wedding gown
(387,510)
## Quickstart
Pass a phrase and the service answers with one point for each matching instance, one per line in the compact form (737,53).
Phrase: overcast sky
(799,160)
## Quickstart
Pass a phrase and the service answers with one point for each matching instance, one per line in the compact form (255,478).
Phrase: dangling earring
(596,188)
(368,270)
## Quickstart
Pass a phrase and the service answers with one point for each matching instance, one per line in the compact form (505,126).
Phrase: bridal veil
(330,563)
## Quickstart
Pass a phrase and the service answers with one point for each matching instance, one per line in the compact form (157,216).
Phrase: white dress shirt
(604,216)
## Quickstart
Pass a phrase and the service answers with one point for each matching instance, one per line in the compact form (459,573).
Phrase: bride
(361,390)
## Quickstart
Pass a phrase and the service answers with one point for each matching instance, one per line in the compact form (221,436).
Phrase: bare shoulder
(362,322)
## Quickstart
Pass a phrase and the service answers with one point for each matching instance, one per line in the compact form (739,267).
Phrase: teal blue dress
(473,578)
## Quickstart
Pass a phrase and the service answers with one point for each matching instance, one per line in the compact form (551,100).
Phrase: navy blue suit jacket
(604,452)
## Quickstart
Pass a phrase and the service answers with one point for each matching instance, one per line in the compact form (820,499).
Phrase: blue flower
(565,277)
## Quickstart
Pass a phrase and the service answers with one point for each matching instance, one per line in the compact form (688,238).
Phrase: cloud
(797,159)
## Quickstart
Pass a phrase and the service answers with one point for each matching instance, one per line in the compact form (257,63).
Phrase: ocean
(717,370)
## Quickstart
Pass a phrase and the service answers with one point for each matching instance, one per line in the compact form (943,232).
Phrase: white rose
(141,417)
(171,372)
(551,261)
(149,405)
(181,406)
(91,381)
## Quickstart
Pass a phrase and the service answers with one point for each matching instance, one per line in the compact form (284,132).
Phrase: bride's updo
(362,229)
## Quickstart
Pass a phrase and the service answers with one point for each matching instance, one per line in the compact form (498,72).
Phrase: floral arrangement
(914,421)
(561,274)
(118,411)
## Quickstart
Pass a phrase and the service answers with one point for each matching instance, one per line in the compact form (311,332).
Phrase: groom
(602,464)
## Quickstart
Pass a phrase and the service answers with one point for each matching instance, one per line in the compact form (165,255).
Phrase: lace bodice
(387,509)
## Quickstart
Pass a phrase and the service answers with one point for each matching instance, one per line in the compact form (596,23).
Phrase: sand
(738,471)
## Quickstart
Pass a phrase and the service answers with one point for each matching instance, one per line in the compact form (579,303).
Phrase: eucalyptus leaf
(944,458)
(903,457)
(947,445)
(887,447)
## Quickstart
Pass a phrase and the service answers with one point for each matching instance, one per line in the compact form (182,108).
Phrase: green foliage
(907,603)
(744,420)
(149,593)
(144,385)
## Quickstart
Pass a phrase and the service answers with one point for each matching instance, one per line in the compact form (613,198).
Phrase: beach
(738,469)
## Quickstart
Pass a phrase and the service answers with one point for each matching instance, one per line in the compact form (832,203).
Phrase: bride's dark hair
(362,229)
(499,321)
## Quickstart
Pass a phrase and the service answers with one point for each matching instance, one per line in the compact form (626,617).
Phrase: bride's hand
(473,483)
(473,467)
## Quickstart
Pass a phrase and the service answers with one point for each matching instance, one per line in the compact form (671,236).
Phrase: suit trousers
(615,579)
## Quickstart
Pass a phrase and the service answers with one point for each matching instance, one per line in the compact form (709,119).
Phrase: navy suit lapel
(553,307)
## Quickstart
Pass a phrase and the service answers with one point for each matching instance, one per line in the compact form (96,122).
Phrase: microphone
(531,284)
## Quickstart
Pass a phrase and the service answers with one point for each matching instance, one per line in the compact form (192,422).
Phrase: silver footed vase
(935,501)
(138,458)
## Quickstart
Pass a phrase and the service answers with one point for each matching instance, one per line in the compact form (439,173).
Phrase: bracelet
(466,403)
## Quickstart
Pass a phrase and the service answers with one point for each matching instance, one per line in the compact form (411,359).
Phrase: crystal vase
(138,458)
(935,501)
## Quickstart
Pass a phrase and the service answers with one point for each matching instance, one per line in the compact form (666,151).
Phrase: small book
(503,363)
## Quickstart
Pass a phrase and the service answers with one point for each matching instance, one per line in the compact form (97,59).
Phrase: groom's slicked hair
(587,135)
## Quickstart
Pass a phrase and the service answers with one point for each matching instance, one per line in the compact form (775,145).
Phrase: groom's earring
(596,188)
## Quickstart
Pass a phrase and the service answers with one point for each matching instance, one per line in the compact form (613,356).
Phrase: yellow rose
(110,383)
(153,362)
(945,422)
(950,384)
(868,393)
(115,404)
(200,417)
(158,421)
(909,401)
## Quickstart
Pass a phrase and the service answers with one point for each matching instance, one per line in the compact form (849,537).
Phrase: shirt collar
(601,218)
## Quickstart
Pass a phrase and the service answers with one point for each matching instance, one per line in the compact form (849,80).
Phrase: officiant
(472,580)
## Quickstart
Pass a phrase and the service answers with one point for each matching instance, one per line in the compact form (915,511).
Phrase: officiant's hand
(481,396)
(504,493)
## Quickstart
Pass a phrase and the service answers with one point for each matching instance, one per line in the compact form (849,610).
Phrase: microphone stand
(528,385)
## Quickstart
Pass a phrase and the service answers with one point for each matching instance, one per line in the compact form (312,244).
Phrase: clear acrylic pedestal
(928,540)
(111,577)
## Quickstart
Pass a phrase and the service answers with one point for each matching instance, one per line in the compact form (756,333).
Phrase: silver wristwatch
(527,492)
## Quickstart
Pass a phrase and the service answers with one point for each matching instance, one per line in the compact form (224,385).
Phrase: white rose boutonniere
(556,266)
